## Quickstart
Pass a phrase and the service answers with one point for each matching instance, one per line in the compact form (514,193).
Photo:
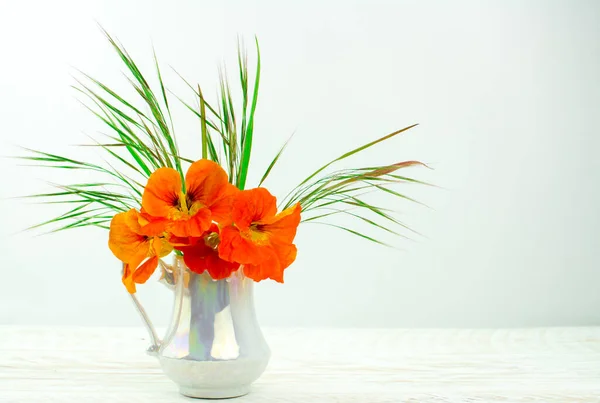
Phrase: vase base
(215,393)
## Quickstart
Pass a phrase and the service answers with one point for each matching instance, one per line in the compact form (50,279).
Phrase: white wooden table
(342,365)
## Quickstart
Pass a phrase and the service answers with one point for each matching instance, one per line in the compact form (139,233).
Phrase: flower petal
(221,206)
(283,226)
(161,247)
(253,205)
(143,273)
(205,181)
(161,194)
(281,257)
(219,268)
(193,226)
(123,241)
(151,226)
(269,268)
(200,258)
(286,254)
(127,279)
(179,242)
(194,256)
(236,248)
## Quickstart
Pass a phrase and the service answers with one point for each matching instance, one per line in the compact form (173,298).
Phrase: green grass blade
(113,94)
(353,232)
(203,124)
(274,161)
(248,135)
(356,150)
(243,72)
(210,108)
(162,86)
(210,124)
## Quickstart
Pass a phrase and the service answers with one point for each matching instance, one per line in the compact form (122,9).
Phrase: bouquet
(155,201)
(152,205)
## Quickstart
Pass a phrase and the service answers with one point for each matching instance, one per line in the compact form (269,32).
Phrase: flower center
(182,203)
(212,240)
(185,206)
(256,232)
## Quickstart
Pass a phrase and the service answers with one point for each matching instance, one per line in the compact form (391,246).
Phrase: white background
(507,94)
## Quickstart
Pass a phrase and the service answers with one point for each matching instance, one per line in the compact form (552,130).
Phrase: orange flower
(201,254)
(259,238)
(131,244)
(207,198)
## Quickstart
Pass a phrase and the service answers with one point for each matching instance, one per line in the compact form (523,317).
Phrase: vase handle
(155,346)
(154,339)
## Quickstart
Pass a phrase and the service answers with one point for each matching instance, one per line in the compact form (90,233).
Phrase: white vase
(213,347)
